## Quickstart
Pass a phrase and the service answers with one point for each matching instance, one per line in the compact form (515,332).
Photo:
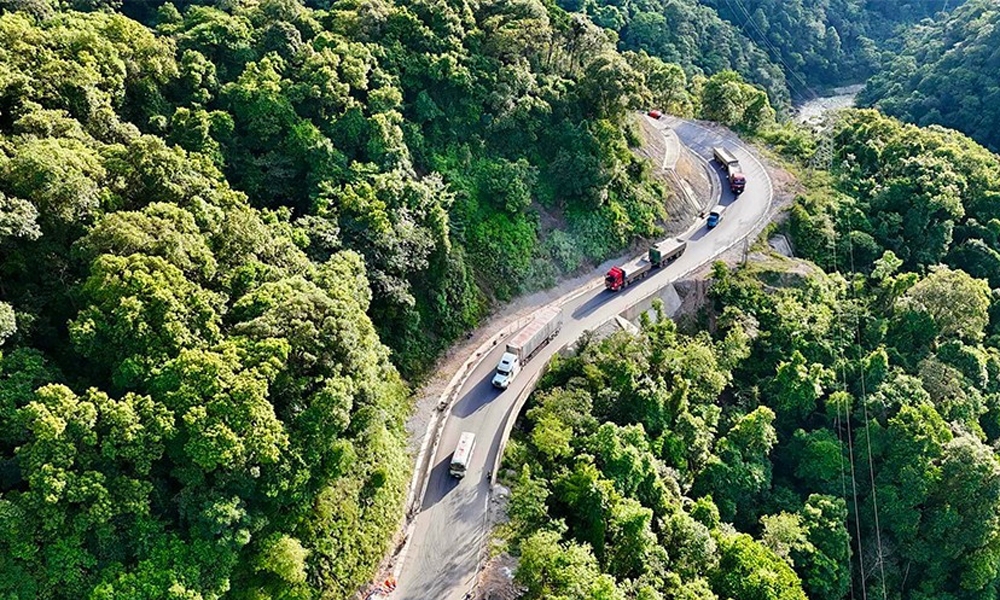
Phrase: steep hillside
(787,47)
(422,135)
(687,33)
(812,434)
(223,233)
(947,73)
(825,42)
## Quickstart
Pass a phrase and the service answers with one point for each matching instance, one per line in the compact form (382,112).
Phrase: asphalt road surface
(449,531)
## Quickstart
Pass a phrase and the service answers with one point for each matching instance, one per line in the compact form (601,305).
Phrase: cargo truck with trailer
(545,326)
(666,252)
(659,255)
(734,173)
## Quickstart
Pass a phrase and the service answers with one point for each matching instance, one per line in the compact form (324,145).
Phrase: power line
(850,455)
(832,257)
(777,54)
(824,158)
(868,441)
(857,513)
(774,50)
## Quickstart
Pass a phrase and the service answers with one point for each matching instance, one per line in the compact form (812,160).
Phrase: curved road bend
(448,533)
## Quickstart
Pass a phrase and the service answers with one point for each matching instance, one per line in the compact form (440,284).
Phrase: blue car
(715,217)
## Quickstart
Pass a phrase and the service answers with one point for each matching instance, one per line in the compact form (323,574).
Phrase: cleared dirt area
(654,146)
(682,172)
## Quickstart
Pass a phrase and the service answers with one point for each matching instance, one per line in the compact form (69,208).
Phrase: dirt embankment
(683,173)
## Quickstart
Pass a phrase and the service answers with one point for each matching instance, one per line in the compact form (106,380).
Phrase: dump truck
(737,180)
(715,216)
(545,326)
(660,254)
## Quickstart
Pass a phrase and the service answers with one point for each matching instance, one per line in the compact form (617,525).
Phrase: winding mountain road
(447,535)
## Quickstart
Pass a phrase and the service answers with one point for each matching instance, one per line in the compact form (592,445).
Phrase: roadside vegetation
(824,430)
(229,233)
(232,232)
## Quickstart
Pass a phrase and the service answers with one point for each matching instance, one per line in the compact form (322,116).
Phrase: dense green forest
(824,42)
(433,140)
(785,46)
(230,232)
(947,72)
(687,33)
(227,233)
(822,429)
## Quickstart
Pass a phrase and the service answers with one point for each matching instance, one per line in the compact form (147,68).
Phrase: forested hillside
(689,34)
(433,140)
(820,432)
(823,42)
(230,232)
(948,73)
(223,234)
(786,46)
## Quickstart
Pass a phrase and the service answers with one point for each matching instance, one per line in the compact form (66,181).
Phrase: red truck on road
(737,180)
(660,254)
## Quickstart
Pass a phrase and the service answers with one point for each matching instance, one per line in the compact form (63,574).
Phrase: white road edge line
(481,353)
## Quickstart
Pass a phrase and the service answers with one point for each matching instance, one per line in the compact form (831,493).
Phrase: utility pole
(823,157)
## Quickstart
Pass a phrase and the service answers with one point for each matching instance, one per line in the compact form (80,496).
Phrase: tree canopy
(945,73)
(818,429)
(229,230)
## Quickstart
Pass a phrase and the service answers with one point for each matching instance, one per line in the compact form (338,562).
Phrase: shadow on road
(441,482)
(727,197)
(593,304)
(448,576)
(702,232)
(480,395)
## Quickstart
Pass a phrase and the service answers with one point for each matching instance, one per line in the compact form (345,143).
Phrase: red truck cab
(659,255)
(731,165)
(737,183)
(615,279)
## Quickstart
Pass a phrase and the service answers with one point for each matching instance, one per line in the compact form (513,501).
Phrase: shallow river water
(813,110)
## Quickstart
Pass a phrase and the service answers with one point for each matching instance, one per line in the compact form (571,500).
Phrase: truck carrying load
(620,277)
(734,173)
(660,254)
(523,345)
(667,251)
(463,454)
(715,217)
